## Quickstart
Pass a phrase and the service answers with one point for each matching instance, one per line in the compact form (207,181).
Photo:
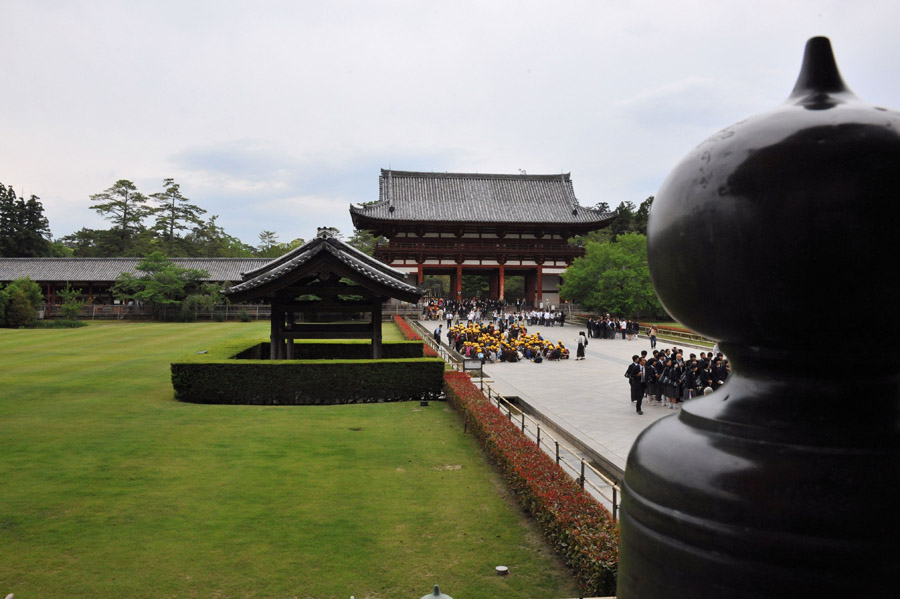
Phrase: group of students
(607,327)
(668,379)
(482,310)
(501,343)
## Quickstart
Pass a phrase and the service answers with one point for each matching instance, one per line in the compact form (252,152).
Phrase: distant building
(500,225)
(95,276)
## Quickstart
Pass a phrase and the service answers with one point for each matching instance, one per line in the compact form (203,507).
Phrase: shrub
(59,324)
(244,316)
(409,333)
(215,377)
(4,302)
(32,292)
(71,306)
(19,311)
(581,530)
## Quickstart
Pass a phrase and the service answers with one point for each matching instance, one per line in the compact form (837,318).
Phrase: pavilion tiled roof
(477,198)
(362,263)
(87,270)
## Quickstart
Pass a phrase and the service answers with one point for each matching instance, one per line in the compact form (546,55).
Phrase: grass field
(110,488)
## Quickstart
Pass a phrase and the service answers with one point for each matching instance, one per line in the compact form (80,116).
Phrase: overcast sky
(277,115)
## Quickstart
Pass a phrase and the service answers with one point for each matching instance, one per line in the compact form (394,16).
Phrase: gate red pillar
(494,285)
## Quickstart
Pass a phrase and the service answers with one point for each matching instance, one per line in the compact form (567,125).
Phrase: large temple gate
(499,225)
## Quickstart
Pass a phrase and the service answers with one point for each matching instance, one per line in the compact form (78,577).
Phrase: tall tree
(613,277)
(125,207)
(268,245)
(174,214)
(24,230)
(364,241)
(642,216)
(210,240)
(162,283)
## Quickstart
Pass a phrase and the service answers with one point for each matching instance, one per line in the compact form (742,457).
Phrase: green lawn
(110,488)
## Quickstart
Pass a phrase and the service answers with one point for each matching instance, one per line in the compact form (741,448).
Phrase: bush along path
(580,529)
(408,333)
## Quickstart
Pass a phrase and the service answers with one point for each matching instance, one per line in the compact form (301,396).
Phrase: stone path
(586,400)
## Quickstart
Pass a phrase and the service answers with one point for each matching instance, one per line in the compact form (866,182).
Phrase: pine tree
(124,206)
(174,214)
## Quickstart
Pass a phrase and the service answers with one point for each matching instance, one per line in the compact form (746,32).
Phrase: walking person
(582,343)
(654,332)
(634,373)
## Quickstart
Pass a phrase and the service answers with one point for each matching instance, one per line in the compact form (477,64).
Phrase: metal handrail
(538,434)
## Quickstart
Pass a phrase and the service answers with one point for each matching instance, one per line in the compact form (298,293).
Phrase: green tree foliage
(71,305)
(613,277)
(209,240)
(125,207)
(628,220)
(19,312)
(174,213)
(162,283)
(208,297)
(24,230)
(19,302)
(268,245)
(364,241)
(4,304)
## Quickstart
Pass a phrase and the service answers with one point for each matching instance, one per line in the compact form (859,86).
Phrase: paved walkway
(587,400)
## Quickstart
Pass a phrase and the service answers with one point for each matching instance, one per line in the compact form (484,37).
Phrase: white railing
(582,471)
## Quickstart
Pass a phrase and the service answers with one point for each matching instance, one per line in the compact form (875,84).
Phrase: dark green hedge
(338,350)
(215,377)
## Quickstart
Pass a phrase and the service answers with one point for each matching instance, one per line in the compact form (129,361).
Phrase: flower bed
(409,333)
(581,530)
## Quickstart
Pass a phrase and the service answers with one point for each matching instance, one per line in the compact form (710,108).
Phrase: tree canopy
(174,213)
(125,207)
(24,230)
(162,283)
(613,277)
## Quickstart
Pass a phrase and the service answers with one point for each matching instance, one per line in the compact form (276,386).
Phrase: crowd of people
(489,310)
(501,342)
(668,379)
(607,327)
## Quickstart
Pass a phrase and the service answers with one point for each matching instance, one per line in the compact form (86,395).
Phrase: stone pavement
(587,401)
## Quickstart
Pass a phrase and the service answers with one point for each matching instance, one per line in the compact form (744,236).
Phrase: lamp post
(436,594)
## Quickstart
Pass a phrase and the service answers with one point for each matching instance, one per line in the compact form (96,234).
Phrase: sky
(277,115)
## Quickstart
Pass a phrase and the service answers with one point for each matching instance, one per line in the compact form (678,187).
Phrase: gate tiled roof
(483,198)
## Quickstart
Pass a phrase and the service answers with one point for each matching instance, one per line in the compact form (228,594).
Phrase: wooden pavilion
(322,278)
(496,225)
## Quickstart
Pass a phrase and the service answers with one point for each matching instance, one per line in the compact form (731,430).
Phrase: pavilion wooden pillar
(277,320)
(420,276)
(289,342)
(502,275)
(539,285)
(456,282)
(376,329)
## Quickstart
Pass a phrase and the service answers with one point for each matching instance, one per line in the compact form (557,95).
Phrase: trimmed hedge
(216,377)
(337,350)
(581,530)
